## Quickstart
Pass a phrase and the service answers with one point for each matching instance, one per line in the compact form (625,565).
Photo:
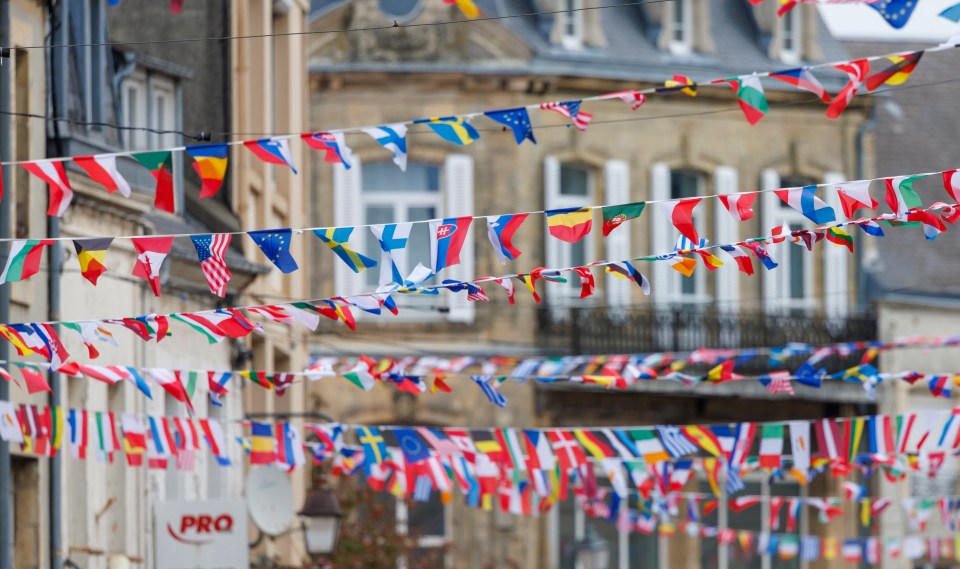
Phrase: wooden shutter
(769,202)
(348,212)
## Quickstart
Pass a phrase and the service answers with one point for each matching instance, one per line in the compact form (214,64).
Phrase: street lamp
(321,521)
(593,552)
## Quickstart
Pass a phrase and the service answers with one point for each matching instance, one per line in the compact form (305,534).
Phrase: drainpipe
(6,484)
(868,126)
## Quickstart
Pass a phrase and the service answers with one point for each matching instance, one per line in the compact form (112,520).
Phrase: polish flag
(680,214)
(151,251)
(103,170)
(739,205)
(53,173)
(854,196)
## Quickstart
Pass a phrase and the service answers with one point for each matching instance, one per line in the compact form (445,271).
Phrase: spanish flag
(570,224)
(92,254)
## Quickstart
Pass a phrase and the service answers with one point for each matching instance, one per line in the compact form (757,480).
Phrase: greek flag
(809,548)
(486,385)
(675,442)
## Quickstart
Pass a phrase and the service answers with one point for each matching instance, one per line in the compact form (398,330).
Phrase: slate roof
(917,130)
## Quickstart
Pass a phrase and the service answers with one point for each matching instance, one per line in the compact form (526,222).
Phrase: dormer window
(790,37)
(681,26)
(572,24)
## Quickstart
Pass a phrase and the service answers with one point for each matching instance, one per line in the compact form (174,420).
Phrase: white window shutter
(458,176)
(661,289)
(348,212)
(617,245)
(836,287)
(769,204)
(728,231)
(551,197)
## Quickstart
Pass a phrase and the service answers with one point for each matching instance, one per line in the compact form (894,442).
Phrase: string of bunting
(210,160)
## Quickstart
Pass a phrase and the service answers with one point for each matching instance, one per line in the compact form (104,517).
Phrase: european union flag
(895,12)
(518,120)
(413,447)
(275,244)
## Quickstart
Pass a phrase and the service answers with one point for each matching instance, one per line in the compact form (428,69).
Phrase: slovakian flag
(24,259)
(857,72)
(333,144)
(500,230)
(447,237)
(680,214)
(210,163)
(53,173)
(750,95)
(854,196)
(802,78)
(151,252)
(272,151)
(897,73)
(92,255)
(570,224)
(739,205)
(805,201)
(103,170)
(615,215)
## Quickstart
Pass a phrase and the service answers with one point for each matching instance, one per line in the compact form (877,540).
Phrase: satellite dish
(270,500)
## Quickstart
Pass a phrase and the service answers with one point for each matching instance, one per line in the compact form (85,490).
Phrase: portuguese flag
(160,165)
(91,254)
(615,215)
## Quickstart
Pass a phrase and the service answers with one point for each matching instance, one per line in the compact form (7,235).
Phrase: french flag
(803,78)
(500,230)
(272,151)
(805,201)
(447,238)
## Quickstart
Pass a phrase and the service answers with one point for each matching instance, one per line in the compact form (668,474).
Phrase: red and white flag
(739,205)
(53,173)
(103,170)
(854,196)
(857,72)
(110,375)
(211,251)
(170,382)
(151,251)
(951,183)
(680,214)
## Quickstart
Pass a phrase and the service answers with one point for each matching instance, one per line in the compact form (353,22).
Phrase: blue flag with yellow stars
(518,120)
(412,446)
(275,244)
(895,12)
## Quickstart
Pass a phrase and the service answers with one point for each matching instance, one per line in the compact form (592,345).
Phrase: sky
(860,22)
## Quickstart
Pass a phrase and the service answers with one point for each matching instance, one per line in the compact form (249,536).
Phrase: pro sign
(202,535)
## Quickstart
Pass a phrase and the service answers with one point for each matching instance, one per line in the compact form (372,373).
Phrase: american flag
(571,110)
(778,382)
(211,250)
(440,443)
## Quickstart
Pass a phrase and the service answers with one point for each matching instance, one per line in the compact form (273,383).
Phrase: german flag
(897,73)
(91,254)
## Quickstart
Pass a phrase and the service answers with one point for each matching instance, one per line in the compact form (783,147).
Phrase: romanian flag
(897,73)
(210,163)
(160,165)
(91,254)
(570,224)
(262,449)
(840,237)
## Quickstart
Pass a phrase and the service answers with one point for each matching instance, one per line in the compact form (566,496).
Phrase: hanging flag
(895,12)
(90,333)
(570,224)
(500,231)
(468,7)
(951,184)
(840,237)
(518,120)
(571,110)
(32,378)
(649,446)
(857,72)
(452,129)
(447,237)
(172,384)
(633,98)
(771,445)
(393,250)
(393,137)
(336,239)
(680,214)
(753,102)
(211,252)
(487,386)
(333,144)
(901,197)
(615,215)
(151,251)
(103,170)
(210,163)
(272,151)
(92,254)
(275,244)
(762,255)
(134,439)
(624,269)
(24,259)
(802,78)
(741,258)
(53,173)
(411,445)
(360,376)
(739,205)
(160,165)
(374,449)
(805,201)
(854,196)
(680,83)
(213,434)
(897,72)
(262,444)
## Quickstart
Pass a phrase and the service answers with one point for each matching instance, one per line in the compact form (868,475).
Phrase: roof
(916,131)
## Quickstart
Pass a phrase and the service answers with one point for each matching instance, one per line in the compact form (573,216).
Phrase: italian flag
(750,95)
(24,260)
(901,196)
(771,445)
(360,376)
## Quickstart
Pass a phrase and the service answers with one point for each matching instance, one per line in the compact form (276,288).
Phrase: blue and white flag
(393,250)
(486,385)
(393,137)
(675,442)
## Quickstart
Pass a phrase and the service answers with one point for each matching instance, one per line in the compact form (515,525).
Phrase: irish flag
(901,197)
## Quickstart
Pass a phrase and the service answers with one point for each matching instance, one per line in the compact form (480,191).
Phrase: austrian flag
(447,237)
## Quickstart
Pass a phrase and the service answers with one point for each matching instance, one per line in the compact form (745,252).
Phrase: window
(572,21)
(681,26)
(568,185)
(87,26)
(790,287)
(790,37)
(149,101)
(426,522)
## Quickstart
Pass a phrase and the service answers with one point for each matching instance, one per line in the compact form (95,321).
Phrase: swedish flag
(337,240)
(453,129)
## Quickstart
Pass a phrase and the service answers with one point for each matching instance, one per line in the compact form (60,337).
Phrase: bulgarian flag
(160,165)
(753,102)
(24,259)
